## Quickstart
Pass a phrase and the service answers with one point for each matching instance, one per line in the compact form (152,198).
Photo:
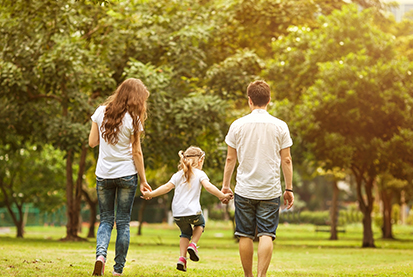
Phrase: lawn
(298,251)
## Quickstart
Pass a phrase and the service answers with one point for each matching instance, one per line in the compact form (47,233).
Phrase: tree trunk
(73,201)
(334,212)
(365,205)
(140,217)
(93,212)
(92,221)
(71,227)
(18,222)
(386,197)
(368,239)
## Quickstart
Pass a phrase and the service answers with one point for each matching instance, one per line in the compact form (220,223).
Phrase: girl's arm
(215,191)
(164,189)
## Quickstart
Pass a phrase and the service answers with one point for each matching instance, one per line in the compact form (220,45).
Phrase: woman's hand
(146,191)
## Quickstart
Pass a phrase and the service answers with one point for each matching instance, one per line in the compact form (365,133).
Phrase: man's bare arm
(229,168)
(287,167)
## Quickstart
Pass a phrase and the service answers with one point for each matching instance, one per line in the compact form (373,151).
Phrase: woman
(116,128)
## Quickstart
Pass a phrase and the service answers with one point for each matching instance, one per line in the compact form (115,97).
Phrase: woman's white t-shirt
(115,161)
(186,198)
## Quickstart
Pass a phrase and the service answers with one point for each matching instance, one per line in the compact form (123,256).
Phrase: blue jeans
(115,194)
(185,224)
(252,215)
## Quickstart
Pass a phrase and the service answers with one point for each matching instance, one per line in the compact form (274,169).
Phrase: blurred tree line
(340,75)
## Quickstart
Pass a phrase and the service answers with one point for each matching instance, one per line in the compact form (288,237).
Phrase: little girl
(186,208)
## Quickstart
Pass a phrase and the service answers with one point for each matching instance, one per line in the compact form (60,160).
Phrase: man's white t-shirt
(186,198)
(115,161)
(258,139)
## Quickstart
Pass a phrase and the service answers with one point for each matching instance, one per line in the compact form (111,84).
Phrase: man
(261,143)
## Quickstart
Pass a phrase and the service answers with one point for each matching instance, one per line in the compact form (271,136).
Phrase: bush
(321,217)
(410,218)
(395,214)
(216,214)
(317,218)
(290,217)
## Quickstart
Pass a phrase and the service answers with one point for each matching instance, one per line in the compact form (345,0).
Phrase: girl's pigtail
(186,167)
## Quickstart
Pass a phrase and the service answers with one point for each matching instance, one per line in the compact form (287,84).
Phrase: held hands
(228,195)
(226,198)
(288,197)
(146,191)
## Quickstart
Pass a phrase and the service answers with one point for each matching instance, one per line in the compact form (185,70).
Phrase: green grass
(298,251)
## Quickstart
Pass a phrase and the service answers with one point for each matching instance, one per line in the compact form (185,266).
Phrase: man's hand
(227,191)
(288,198)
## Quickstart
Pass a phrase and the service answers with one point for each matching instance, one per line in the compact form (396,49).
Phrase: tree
(30,175)
(89,190)
(56,70)
(356,97)
(388,187)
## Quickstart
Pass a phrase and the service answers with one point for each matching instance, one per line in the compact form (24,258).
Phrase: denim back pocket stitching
(128,178)
(128,182)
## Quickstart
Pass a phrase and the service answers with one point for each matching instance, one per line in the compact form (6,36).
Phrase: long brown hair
(190,159)
(129,97)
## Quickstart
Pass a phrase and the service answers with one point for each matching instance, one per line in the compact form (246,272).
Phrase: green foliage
(177,119)
(339,81)
(52,68)
(352,97)
(230,78)
(345,217)
(355,96)
(33,175)
(410,219)
(395,213)
(346,31)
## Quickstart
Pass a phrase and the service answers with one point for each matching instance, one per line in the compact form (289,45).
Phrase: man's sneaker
(193,252)
(181,265)
(99,266)
(114,273)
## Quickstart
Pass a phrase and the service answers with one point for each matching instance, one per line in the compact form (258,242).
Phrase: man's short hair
(259,92)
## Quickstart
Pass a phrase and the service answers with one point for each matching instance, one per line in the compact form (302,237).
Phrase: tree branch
(37,96)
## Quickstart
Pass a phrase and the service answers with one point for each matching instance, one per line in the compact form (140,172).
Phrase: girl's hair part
(130,96)
(188,160)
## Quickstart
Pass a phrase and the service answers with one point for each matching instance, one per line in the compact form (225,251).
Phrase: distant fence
(34,217)
(154,214)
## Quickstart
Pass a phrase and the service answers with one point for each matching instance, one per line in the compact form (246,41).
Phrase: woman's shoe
(99,266)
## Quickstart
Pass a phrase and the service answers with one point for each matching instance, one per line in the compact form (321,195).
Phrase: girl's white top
(115,161)
(186,199)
